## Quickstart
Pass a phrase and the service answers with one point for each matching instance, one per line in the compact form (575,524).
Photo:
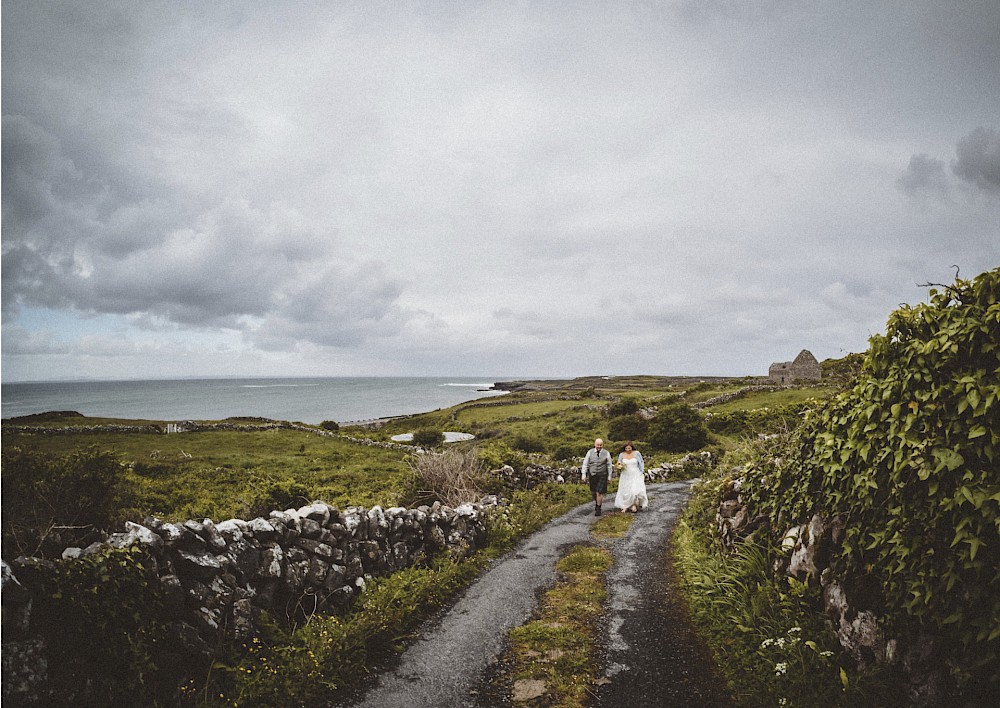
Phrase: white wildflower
(780,668)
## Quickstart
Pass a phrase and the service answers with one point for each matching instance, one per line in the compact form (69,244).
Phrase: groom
(597,467)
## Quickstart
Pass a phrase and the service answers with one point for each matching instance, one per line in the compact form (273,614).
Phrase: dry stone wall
(219,578)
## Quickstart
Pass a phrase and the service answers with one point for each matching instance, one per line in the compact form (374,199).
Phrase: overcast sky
(472,188)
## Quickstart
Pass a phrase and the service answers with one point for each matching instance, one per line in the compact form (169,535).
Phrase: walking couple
(597,468)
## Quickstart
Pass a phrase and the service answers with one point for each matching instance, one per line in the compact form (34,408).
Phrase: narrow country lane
(445,666)
(650,651)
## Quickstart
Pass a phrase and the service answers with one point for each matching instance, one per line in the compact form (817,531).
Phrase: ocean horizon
(301,399)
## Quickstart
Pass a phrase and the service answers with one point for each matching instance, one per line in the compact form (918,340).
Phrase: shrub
(566,452)
(427,437)
(43,494)
(275,494)
(907,458)
(330,425)
(527,443)
(759,420)
(107,630)
(677,428)
(452,477)
(625,406)
(495,454)
(628,427)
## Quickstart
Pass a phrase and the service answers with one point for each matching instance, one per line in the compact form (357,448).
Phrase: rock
(25,671)
(272,562)
(811,552)
(16,602)
(263,530)
(318,512)
(201,566)
(173,594)
(310,528)
(144,536)
(232,530)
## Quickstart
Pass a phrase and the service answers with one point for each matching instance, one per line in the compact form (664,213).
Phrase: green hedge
(908,459)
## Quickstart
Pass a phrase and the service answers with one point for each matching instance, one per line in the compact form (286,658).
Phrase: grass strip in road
(553,654)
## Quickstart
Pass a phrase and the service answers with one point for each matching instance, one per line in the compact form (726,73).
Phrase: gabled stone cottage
(804,367)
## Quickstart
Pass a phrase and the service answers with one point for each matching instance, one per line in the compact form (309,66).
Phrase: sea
(305,400)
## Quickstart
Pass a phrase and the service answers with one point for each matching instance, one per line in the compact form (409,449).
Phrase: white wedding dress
(631,487)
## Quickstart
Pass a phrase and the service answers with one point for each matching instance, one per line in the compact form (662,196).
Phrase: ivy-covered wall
(889,496)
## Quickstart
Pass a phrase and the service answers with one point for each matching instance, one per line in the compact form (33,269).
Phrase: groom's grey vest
(597,464)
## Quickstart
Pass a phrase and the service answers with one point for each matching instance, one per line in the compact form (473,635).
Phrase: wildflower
(795,630)
(780,642)
(766,643)
(780,668)
(782,701)
(826,653)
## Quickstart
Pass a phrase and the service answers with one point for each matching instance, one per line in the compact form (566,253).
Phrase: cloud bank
(495,189)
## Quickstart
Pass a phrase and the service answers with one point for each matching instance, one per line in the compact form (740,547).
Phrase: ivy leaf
(843,678)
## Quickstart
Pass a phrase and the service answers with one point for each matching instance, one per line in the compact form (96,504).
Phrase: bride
(631,485)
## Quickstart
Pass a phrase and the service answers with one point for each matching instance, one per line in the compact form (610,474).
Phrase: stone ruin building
(804,367)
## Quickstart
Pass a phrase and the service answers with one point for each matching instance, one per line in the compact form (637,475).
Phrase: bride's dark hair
(628,444)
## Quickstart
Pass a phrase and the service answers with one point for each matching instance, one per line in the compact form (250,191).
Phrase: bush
(275,495)
(566,452)
(452,477)
(495,454)
(626,406)
(48,499)
(757,421)
(107,629)
(527,443)
(678,428)
(330,425)
(628,427)
(908,458)
(427,437)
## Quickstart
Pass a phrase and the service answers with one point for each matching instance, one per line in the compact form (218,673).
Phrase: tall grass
(766,632)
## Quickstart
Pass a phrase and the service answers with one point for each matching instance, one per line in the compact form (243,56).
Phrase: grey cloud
(18,340)
(978,159)
(924,174)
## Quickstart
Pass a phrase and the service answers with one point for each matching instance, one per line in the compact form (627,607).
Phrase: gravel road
(447,666)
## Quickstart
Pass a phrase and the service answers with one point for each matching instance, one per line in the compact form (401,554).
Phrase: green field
(225,474)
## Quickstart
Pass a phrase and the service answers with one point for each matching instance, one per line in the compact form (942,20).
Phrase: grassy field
(224,474)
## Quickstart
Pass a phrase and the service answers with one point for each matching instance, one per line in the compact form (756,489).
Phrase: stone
(244,620)
(144,536)
(212,536)
(201,566)
(810,554)
(171,533)
(16,601)
(263,530)
(318,512)
(25,671)
(173,593)
(232,530)
(272,562)
(315,548)
(310,528)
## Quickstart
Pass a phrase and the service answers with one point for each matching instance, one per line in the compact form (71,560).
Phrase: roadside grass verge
(765,633)
(330,654)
